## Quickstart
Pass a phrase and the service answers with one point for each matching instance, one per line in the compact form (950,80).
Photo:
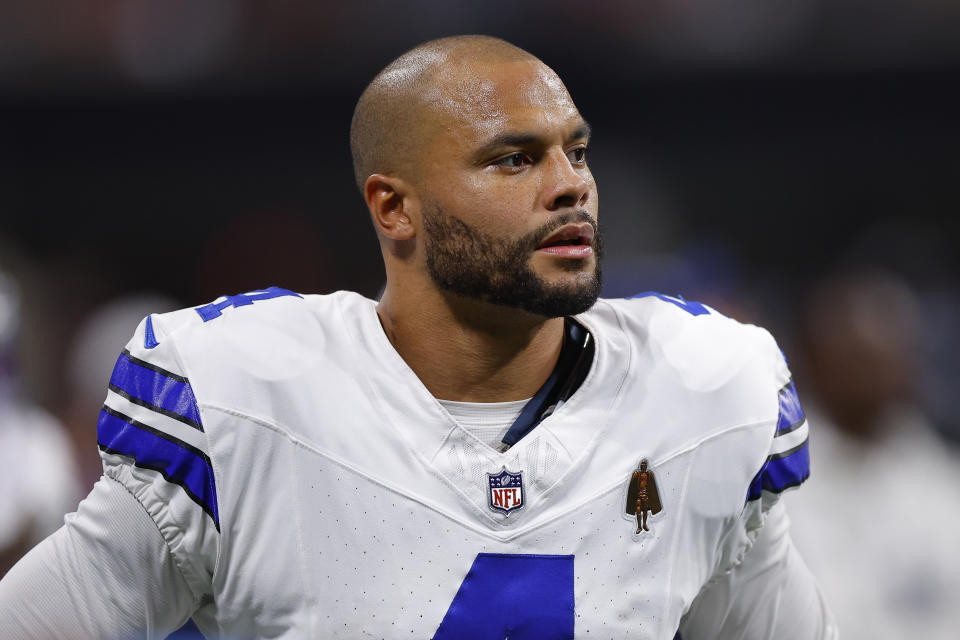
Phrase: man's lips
(569,241)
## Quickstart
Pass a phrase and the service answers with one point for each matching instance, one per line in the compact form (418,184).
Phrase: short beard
(470,263)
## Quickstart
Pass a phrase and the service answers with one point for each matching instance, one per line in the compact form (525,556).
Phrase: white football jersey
(309,486)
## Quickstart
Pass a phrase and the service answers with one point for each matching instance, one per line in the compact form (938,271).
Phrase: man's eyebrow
(582,131)
(522,139)
(504,140)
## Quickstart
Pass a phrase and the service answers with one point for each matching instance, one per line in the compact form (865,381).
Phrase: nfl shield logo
(506,491)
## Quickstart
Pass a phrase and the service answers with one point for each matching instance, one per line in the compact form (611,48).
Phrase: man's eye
(513,160)
(578,155)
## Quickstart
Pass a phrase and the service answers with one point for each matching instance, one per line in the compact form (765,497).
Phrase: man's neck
(470,351)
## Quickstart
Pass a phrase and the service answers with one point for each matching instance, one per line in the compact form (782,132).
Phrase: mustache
(535,237)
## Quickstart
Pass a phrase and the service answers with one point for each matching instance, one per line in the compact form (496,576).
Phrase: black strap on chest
(572,367)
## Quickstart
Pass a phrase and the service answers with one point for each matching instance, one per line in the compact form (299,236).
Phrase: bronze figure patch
(642,496)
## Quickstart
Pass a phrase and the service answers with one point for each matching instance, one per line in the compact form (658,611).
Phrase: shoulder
(262,332)
(705,348)
(251,352)
(249,314)
(713,384)
(245,353)
(743,373)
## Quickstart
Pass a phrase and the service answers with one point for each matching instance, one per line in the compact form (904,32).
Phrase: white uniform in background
(38,475)
(297,480)
(879,523)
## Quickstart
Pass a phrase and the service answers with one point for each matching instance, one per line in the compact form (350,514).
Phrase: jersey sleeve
(788,462)
(770,593)
(762,588)
(152,441)
(107,573)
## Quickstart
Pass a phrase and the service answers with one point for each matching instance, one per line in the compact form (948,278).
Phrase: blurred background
(795,165)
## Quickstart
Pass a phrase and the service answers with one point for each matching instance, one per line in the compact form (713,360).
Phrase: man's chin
(566,297)
(564,290)
(562,297)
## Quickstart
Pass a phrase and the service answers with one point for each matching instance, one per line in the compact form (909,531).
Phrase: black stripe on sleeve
(785,387)
(148,405)
(796,425)
(788,452)
(153,367)
(788,486)
(160,434)
(168,478)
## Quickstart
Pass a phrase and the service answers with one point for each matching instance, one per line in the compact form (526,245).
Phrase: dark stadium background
(747,152)
(196,149)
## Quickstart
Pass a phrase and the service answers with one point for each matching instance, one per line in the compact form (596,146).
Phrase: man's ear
(389,200)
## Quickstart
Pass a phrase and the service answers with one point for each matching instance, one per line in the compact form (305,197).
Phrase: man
(861,342)
(454,460)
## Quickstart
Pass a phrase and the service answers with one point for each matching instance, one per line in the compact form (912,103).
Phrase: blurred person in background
(879,523)
(38,476)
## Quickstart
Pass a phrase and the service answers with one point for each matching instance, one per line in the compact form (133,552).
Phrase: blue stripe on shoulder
(149,338)
(177,461)
(691,307)
(781,473)
(790,468)
(155,388)
(791,413)
(788,471)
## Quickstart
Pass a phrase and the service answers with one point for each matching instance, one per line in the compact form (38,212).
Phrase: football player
(486,452)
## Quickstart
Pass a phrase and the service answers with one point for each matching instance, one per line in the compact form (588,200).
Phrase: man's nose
(565,186)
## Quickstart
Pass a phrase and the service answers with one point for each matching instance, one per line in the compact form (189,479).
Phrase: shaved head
(390,122)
